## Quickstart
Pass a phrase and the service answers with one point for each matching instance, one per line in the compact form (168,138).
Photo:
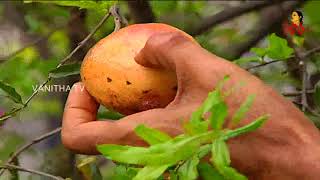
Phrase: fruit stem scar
(109,79)
(128,82)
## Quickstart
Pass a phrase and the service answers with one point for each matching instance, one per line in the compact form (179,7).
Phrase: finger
(80,107)
(166,50)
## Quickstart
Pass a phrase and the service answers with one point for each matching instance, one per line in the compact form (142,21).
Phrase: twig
(297,93)
(19,168)
(26,146)
(32,43)
(114,10)
(263,64)
(225,15)
(304,55)
(62,62)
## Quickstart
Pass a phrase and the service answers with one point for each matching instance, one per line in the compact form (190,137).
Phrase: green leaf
(151,136)
(244,108)
(10,92)
(207,172)
(122,172)
(230,173)
(278,47)
(83,4)
(66,70)
(316,94)
(204,150)
(151,172)
(245,129)
(218,115)
(109,114)
(245,60)
(259,51)
(220,153)
(170,152)
(188,171)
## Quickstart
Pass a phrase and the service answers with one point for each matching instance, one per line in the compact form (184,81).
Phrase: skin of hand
(286,147)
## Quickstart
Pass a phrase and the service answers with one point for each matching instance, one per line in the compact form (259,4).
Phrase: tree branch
(227,14)
(26,146)
(271,17)
(19,168)
(141,11)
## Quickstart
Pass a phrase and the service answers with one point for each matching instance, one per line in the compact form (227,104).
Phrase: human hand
(287,138)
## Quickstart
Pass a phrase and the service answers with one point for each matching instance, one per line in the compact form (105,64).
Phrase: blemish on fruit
(128,82)
(109,79)
(145,91)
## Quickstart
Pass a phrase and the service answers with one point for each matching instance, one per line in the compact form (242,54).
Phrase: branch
(208,22)
(62,62)
(297,93)
(304,55)
(114,10)
(26,146)
(19,168)
(32,43)
(141,11)
(271,18)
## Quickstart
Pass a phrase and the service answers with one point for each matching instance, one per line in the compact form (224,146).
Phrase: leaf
(188,171)
(122,172)
(230,173)
(278,47)
(89,168)
(204,150)
(316,94)
(109,114)
(259,51)
(151,172)
(245,60)
(245,129)
(244,108)
(151,136)
(11,92)
(170,152)
(65,70)
(83,4)
(207,172)
(218,115)
(220,153)
(173,175)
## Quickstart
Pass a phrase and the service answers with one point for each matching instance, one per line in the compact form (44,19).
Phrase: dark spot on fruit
(109,79)
(175,88)
(146,91)
(84,78)
(128,82)
(150,101)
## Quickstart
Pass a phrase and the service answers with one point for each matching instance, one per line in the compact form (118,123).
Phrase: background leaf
(10,92)
(65,70)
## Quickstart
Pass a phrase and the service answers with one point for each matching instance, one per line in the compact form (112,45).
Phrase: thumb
(166,50)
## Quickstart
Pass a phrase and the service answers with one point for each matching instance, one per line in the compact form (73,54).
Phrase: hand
(286,147)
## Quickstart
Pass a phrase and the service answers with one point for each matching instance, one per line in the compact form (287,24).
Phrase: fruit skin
(111,75)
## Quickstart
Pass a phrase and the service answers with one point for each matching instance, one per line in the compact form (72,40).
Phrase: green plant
(181,155)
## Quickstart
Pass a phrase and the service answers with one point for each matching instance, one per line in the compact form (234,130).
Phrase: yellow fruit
(111,75)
